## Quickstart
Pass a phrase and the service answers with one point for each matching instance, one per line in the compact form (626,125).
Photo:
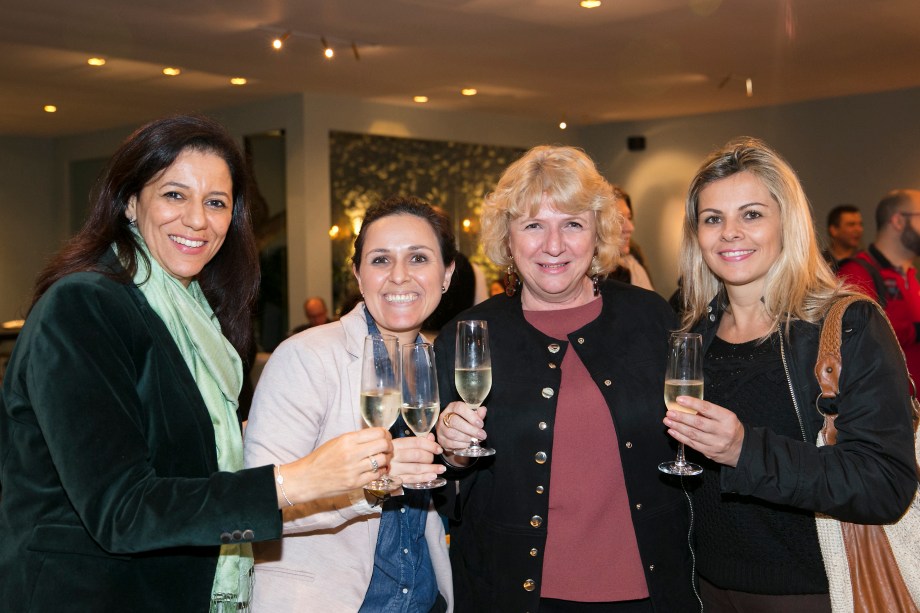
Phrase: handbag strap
(829,363)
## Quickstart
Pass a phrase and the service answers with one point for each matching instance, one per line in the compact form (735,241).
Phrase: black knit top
(744,543)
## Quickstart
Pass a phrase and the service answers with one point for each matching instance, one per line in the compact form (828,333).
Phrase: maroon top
(591,552)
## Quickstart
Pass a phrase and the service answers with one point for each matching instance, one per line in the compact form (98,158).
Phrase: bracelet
(279,479)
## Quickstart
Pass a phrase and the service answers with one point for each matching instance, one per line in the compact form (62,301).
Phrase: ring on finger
(446,419)
(374,466)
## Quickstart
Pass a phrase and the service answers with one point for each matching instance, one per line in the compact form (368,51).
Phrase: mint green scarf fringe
(218,371)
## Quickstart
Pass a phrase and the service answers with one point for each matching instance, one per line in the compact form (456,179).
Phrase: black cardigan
(498,528)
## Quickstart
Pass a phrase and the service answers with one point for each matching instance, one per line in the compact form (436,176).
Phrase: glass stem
(681,459)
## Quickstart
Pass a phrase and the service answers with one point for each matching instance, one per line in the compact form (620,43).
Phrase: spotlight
(469,91)
(278,43)
(169,71)
(590,4)
(749,87)
(327,50)
(50,108)
(563,125)
(96,61)
(420,99)
(238,81)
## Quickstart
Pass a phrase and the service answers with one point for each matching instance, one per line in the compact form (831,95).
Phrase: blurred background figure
(845,231)
(885,270)
(316,312)
(631,266)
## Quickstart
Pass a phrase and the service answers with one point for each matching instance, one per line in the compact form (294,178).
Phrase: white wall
(29,219)
(849,150)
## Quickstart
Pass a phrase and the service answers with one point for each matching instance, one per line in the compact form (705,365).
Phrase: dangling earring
(595,281)
(511,279)
(133,222)
(595,274)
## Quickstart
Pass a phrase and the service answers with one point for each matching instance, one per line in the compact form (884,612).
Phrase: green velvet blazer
(111,497)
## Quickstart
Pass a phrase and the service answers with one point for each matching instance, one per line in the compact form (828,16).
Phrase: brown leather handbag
(870,568)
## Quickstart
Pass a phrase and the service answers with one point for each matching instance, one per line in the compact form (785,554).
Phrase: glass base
(475,452)
(685,469)
(427,485)
(383,485)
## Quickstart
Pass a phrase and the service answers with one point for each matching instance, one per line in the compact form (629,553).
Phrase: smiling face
(739,232)
(402,273)
(552,254)
(184,213)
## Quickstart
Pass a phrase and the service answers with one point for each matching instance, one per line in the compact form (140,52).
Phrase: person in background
(122,460)
(630,268)
(757,289)
(317,314)
(845,231)
(349,552)
(885,270)
(574,414)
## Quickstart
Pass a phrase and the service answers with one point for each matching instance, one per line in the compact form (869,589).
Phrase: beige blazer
(307,395)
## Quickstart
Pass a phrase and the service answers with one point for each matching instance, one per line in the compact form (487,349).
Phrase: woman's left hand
(714,431)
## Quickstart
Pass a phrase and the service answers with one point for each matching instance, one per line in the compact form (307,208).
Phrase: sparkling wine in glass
(684,377)
(381,393)
(473,373)
(420,403)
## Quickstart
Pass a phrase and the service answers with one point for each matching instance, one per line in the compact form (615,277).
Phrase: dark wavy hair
(230,281)
(409,205)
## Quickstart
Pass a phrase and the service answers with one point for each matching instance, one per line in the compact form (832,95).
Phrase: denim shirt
(403,580)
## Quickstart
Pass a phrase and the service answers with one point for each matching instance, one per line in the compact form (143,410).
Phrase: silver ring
(446,419)
(374,466)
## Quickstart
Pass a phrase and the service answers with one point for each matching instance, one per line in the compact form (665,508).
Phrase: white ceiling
(544,59)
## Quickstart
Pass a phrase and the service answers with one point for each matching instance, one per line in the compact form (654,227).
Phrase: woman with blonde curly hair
(757,289)
(574,414)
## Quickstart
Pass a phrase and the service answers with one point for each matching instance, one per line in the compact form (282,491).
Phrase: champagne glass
(684,377)
(420,405)
(381,393)
(473,373)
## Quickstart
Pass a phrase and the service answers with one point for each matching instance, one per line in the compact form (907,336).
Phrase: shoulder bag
(870,568)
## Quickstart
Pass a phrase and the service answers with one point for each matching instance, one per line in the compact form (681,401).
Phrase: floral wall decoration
(454,176)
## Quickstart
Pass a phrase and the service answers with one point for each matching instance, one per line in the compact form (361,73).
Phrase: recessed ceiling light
(50,108)
(420,99)
(590,4)
(237,81)
(469,91)
(169,71)
(563,125)
(96,61)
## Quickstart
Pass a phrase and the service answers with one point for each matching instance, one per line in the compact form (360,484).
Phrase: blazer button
(237,535)
(608,382)
(533,552)
(542,425)
(530,585)
(581,341)
(536,521)
(712,317)
(547,392)
(651,568)
(552,365)
(540,457)
(553,348)
(248,535)
(629,444)
(639,506)
(540,489)
(225,538)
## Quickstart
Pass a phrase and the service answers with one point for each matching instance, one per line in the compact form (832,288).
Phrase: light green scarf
(218,372)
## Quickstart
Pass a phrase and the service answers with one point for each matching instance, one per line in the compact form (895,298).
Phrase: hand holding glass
(684,377)
(421,405)
(473,373)
(381,394)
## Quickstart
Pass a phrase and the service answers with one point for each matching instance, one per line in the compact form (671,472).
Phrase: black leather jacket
(500,511)
(869,476)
